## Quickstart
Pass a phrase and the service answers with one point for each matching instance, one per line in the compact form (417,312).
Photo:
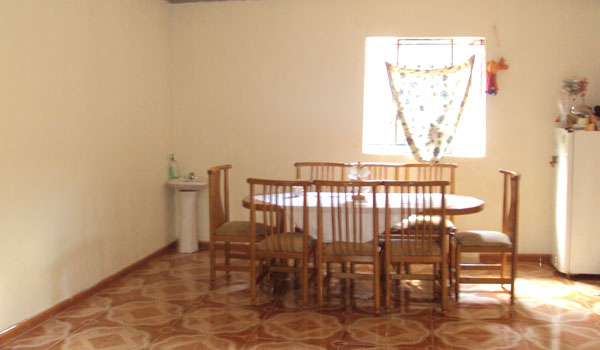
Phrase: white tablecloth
(396,201)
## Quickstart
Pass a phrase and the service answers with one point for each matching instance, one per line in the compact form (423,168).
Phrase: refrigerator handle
(553,161)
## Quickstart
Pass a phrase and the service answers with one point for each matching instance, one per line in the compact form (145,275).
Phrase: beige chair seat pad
(346,249)
(415,220)
(483,239)
(292,242)
(416,248)
(239,228)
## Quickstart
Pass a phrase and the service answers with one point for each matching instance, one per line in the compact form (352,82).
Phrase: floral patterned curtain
(430,103)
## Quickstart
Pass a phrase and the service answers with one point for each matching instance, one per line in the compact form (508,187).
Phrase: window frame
(379,109)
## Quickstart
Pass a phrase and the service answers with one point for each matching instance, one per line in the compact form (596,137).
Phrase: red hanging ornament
(492,68)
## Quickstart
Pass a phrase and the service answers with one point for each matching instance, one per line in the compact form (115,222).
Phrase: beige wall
(85,133)
(89,116)
(262,84)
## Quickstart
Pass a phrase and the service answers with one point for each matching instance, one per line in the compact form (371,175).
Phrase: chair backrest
(218,196)
(282,206)
(420,201)
(432,172)
(411,172)
(510,203)
(334,171)
(341,209)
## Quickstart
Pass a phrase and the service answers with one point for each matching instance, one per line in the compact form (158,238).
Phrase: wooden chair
(280,242)
(418,244)
(321,170)
(339,209)
(503,243)
(414,172)
(225,234)
(430,172)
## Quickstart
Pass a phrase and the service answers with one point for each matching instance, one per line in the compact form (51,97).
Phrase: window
(382,132)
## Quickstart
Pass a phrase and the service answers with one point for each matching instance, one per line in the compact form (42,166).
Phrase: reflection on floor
(168,304)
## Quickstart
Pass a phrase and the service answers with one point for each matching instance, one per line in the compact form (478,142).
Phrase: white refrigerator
(576,246)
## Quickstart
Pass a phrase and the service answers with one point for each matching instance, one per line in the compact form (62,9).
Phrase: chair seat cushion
(239,228)
(413,248)
(483,239)
(414,220)
(341,248)
(296,246)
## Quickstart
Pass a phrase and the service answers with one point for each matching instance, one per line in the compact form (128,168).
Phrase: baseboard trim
(536,258)
(203,245)
(26,325)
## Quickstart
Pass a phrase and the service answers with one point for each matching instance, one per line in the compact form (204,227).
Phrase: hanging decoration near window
(430,103)
(492,68)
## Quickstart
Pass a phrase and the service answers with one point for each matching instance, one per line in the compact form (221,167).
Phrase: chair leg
(457,270)
(352,270)
(297,278)
(377,286)
(513,276)
(504,263)
(212,257)
(319,267)
(253,279)
(438,276)
(346,268)
(388,268)
(444,284)
(451,260)
(268,262)
(227,260)
(305,281)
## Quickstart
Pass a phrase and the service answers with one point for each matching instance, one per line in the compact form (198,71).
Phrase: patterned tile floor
(167,304)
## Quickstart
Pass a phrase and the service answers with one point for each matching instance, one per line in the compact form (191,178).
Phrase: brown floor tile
(389,331)
(478,335)
(552,310)
(231,321)
(303,326)
(271,344)
(107,338)
(561,336)
(43,336)
(198,341)
(151,315)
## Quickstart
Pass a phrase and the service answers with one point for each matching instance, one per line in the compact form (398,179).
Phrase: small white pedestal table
(188,194)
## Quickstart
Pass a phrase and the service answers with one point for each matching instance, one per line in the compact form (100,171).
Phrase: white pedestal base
(188,239)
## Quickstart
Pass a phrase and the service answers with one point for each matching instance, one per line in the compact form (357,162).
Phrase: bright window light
(382,132)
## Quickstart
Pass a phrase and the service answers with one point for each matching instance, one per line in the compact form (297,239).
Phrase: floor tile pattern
(168,304)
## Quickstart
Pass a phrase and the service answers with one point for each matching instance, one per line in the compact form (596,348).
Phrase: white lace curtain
(430,103)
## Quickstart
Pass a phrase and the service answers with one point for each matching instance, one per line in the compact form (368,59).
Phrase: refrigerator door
(563,173)
(585,231)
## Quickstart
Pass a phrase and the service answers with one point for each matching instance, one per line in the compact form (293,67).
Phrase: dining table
(455,205)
